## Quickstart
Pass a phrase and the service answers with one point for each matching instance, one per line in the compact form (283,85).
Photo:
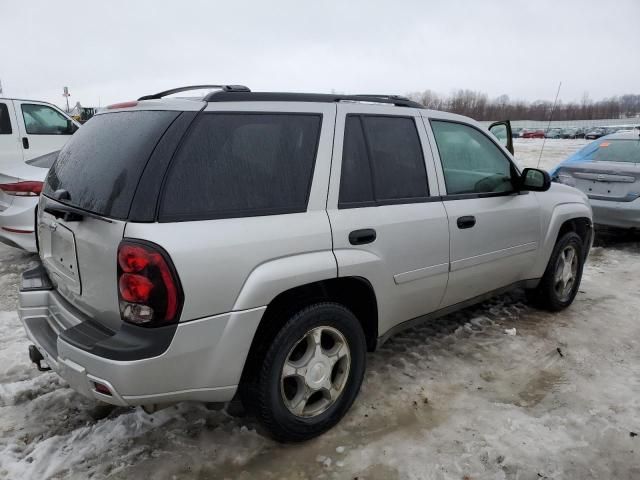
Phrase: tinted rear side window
(242,164)
(382,162)
(102,162)
(5,121)
(356,188)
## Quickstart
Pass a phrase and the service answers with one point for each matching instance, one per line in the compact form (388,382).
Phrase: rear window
(102,162)
(617,151)
(242,164)
(5,121)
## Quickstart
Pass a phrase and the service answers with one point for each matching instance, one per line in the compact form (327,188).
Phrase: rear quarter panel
(241,263)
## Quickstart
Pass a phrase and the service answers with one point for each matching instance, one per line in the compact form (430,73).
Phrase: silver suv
(259,244)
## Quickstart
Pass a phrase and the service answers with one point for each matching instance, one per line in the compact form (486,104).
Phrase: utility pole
(66,94)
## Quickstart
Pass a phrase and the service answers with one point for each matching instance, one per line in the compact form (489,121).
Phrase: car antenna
(549,124)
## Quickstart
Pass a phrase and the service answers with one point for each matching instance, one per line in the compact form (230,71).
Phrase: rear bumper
(616,214)
(200,360)
(17,223)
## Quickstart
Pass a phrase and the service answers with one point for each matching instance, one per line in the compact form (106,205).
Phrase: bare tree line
(479,106)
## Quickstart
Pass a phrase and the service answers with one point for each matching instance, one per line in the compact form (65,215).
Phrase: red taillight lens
(132,258)
(134,288)
(148,286)
(22,189)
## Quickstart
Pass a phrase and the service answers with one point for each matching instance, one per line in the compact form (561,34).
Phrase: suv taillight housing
(149,290)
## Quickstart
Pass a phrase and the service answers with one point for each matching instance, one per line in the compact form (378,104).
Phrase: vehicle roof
(31,100)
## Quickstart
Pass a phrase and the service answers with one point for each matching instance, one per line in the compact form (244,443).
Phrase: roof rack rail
(224,88)
(245,96)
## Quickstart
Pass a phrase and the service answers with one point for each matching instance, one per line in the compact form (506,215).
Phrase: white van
(30,128)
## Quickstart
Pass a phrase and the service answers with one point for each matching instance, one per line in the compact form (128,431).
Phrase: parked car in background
(19,194)
(29,129)
(608,172)
(596,133)
(515,132)
(569,133)
(527,133)
(553,133)
(259,244)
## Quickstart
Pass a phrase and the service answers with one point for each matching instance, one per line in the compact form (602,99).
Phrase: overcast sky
(112,51)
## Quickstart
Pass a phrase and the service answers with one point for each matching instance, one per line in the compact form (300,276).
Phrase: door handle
(467,221)
(25,143)
(360,237)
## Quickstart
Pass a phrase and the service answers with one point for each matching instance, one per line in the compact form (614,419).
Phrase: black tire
(546,295)
(264,397)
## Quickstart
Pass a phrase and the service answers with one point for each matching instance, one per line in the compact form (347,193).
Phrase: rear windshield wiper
(71,214)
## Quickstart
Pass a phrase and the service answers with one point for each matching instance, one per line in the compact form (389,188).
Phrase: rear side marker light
(148,287)
(22,189)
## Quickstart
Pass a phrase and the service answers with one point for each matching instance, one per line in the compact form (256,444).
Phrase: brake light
(22,189)
(122,105)
(148,287)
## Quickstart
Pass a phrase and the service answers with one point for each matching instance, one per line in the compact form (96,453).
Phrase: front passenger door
(43,128)
(494,229)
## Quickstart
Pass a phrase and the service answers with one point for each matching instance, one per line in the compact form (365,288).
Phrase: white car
(19,194)
(29,130)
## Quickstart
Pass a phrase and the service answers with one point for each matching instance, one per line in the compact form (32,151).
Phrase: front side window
(241,165)
(44,120)
(382,162)
(5,120)
(471,162)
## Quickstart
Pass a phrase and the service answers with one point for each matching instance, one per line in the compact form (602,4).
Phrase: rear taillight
(22,189)
(148,286)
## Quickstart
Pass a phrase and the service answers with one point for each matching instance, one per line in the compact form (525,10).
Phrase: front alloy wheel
(566,272)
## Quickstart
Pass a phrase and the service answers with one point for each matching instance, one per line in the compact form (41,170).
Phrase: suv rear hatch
(87,198)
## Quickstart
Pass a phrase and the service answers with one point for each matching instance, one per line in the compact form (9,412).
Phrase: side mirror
(535,180)
(502,131)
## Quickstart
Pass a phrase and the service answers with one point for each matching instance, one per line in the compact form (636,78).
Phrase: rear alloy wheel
(561,280)
(310,373)
(315,372)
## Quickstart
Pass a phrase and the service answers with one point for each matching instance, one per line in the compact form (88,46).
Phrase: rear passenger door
(494,229)
(388,223)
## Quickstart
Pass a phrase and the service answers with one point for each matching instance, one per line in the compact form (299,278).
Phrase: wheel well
(582,226)
(355,293)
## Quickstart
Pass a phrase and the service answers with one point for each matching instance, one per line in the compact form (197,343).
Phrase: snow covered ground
(458,398)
